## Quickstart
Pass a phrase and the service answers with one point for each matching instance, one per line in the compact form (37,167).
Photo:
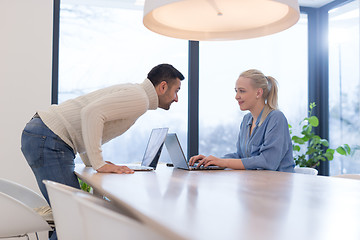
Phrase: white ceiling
(138,4)
(314,3)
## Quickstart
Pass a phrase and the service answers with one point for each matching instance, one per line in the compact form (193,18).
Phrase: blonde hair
(269,86)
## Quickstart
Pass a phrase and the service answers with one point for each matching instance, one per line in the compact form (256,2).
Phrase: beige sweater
(88,121)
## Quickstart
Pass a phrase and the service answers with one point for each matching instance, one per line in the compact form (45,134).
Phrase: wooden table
(236,204)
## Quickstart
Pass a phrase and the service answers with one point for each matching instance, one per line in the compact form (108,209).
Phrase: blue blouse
(269,146)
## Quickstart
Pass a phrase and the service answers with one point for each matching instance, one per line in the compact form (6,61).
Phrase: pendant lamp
(219,19)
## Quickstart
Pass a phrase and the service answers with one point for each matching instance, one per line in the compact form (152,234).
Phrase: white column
(25,78)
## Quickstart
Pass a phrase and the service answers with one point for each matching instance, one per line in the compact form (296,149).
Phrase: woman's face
(246,94)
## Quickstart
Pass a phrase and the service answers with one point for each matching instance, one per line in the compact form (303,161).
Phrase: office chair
(18,220)
(20,197)
(65,210)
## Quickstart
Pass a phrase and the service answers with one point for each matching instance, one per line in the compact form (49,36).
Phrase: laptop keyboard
(204,168)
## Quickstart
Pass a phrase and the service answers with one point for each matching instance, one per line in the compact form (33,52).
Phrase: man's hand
(109,167)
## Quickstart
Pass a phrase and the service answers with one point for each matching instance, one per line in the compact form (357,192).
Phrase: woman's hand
(211,160)
(232,163)
(109,167)
(195,159)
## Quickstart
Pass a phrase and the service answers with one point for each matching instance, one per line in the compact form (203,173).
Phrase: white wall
(25,78)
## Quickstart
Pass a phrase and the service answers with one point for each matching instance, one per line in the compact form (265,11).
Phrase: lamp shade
(219,19)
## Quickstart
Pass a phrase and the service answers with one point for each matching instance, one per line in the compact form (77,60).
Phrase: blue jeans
(49,157)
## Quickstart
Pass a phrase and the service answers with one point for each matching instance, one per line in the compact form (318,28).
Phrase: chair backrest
(306,170)
(103,220)
(22,193)
(351,176)
(16,218)
(65,211)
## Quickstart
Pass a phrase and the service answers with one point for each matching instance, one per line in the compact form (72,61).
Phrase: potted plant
(309,149)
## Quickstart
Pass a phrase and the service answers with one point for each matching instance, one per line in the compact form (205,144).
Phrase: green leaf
(84,186)
(347,149)
(314,121)
(329,156)
(311,151)
(316,140)
(312,105)
(298,140)
(296,148)
(306,129)
(341,150)
(330,150)
(324,142)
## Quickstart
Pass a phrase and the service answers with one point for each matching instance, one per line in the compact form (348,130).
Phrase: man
(52,138)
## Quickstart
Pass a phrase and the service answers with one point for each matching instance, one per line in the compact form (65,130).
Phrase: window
(101,46)
(344,85)
(282,55)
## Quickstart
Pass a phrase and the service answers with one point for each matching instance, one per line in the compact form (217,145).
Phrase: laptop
(153,151)
(177,155)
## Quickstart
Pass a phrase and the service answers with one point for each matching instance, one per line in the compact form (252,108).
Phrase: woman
(264,140)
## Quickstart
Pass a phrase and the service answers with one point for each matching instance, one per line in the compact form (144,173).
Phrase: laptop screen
(154,147)
(175,151)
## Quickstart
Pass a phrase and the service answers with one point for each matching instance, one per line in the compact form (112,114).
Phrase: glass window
(105,45)
(282,55)
(344,85)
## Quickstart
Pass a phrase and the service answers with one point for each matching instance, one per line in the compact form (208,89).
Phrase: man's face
(170,95)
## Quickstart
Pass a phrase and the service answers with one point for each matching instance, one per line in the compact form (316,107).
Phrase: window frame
(318,79)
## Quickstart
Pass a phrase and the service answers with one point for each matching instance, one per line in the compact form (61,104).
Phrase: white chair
(17,220)
(351,176)
(22,193)
(18,206)
(65,210)
(103,220)
(306,170)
